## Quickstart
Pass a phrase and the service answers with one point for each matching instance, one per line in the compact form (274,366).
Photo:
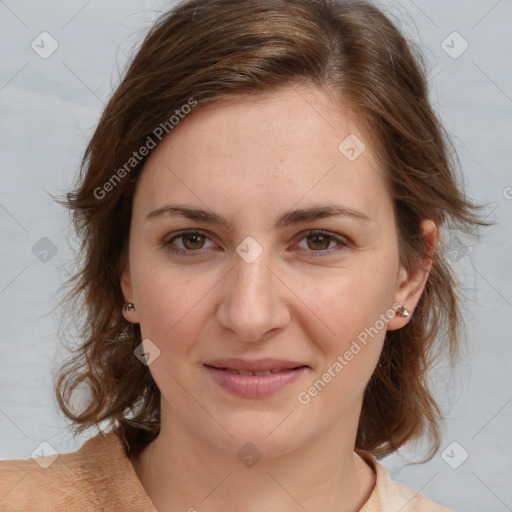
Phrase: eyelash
(342,244)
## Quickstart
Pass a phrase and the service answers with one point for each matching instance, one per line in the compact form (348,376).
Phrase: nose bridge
(250,299)
(252,281)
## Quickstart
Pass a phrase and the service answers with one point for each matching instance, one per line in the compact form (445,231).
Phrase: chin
(260,434)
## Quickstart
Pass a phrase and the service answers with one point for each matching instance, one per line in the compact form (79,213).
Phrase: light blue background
(48,110)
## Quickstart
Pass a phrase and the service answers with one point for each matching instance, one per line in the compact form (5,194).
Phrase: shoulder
(98,476)
(50,481)
(390,496)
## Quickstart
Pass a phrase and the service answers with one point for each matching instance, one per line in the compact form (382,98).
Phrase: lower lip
(254,386)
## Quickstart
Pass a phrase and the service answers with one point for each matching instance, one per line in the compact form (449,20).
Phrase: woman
(260,209)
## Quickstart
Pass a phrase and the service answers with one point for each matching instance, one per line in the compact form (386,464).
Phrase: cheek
(356,307)
(172,306)
(354,348)
(350,353)
(353,301)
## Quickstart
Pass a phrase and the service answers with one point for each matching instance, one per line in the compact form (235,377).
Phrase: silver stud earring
(403,311)
(129,307)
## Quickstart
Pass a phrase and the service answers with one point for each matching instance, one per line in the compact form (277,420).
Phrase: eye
(187,242)
(321,243)
(191,242)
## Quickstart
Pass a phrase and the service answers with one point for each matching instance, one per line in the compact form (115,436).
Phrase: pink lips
(254,379)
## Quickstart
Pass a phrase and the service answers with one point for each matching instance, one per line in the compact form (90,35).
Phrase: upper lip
(256,365)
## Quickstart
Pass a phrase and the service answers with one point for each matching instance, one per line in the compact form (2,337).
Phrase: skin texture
(249,162)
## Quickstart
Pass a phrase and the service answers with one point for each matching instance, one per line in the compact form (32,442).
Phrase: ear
(127,289)
(411,283)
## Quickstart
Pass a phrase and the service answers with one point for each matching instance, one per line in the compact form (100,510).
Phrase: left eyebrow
(288,218)
(318,212)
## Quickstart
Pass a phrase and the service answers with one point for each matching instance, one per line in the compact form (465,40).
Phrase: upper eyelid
(184,232)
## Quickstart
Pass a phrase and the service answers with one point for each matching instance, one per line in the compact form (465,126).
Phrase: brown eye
(193,241)
(319,242)
(188,243)
(322,243)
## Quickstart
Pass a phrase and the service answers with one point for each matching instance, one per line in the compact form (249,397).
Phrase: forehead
(266,154)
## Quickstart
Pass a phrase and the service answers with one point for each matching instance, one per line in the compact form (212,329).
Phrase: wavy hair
(210,50)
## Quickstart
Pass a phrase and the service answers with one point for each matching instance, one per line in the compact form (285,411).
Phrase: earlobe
(129,310)
(411,283)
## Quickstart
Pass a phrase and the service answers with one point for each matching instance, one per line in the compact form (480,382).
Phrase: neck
(181,471)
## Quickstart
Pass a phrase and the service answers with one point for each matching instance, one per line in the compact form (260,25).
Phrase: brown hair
(208,50)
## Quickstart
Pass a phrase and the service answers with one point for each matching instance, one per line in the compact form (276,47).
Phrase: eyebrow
(288,218)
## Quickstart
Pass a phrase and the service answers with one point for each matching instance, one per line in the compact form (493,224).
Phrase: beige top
(100,476)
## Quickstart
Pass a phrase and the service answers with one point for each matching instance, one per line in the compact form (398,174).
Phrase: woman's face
(275,249)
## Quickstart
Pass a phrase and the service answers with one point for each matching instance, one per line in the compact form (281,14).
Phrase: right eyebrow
(196,214)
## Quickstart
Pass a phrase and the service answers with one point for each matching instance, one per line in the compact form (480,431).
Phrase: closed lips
(260,373)
(254,378)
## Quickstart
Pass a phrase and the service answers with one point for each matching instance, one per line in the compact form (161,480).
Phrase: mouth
(260,373)
(254,379)
(255,366)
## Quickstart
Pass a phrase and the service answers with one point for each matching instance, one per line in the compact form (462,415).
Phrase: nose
(253,304)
